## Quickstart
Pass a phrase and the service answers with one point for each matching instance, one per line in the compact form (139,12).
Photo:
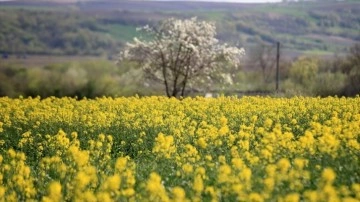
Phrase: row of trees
(75,79)
(182,55)
(303,76)
(186,52)
(309,75)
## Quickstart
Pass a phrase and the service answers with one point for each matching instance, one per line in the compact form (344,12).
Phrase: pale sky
(241,1)
(232,1)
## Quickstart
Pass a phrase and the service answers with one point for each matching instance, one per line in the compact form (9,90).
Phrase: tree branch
(164,73)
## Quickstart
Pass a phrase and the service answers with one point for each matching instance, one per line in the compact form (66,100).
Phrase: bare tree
(264,57)
(351,67)
(181,53)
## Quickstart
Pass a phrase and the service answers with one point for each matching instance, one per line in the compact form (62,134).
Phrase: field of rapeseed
(195,149)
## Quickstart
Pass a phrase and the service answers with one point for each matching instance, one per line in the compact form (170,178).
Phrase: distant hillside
(100,27)
(55,33)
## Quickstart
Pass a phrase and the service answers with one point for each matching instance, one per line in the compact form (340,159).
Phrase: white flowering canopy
(180,52)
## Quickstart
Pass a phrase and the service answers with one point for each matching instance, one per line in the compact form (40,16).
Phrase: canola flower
(195,149)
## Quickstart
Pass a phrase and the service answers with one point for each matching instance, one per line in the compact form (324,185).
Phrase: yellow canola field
(195,149)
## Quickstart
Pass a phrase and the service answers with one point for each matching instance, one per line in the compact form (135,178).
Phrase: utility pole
(277,65)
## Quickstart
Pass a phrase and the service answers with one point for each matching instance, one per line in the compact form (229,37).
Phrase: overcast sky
(239,1)
(244,1)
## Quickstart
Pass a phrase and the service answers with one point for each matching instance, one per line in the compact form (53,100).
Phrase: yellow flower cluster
(165,149)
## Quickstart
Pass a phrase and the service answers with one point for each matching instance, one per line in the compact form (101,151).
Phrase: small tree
(304,71)
(351,67)
(181,53)
(264,56)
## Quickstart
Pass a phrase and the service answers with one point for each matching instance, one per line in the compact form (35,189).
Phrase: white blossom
(182,53)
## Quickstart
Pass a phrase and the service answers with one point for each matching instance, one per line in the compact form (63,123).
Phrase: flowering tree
(181,53)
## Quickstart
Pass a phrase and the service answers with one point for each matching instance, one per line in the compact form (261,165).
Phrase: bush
(76,79)
(328,83)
